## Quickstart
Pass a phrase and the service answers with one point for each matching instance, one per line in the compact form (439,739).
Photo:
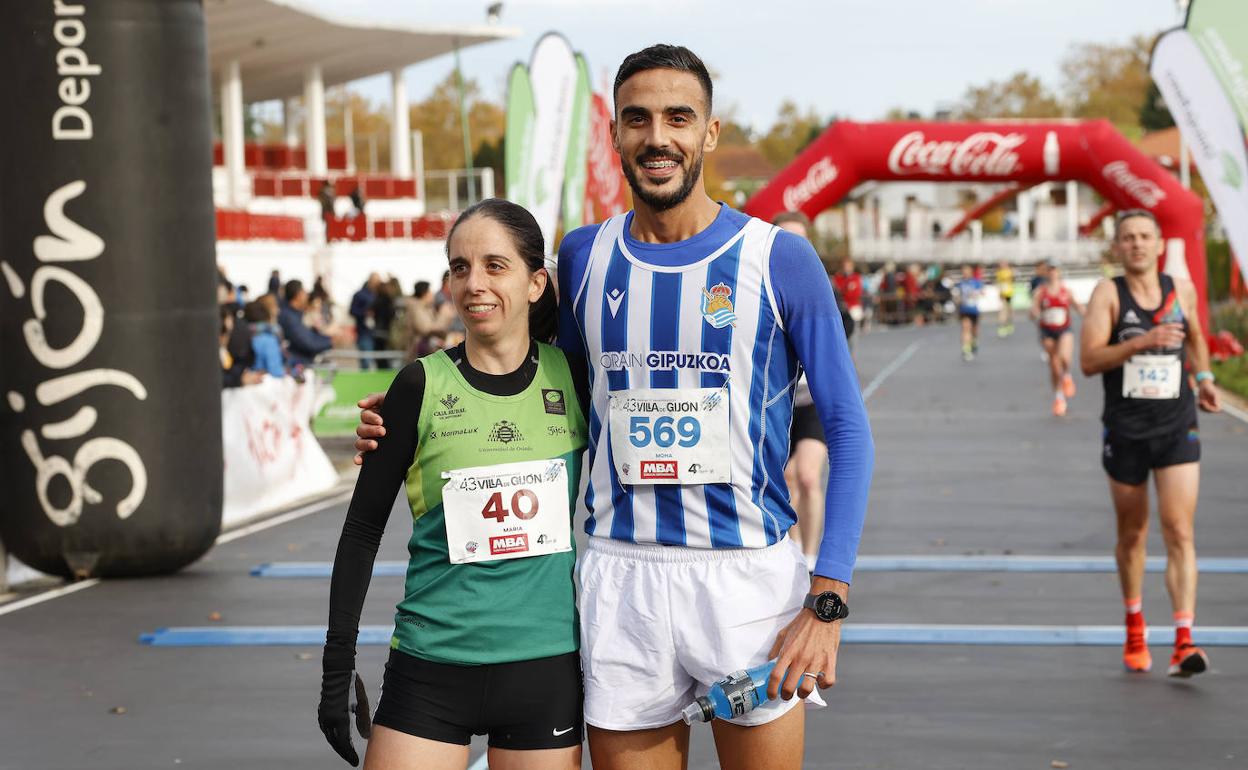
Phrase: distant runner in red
(1051,306)
(848,284)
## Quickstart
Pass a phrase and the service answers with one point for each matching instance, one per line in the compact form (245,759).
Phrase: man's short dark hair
(293,287)
(420,289)
(663,57)
(1126,214)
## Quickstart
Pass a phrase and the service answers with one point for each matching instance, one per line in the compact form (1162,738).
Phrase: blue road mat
(864,633)
(1042,564)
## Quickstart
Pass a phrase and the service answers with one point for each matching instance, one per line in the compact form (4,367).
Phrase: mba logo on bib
(717,307)
(658,469)
(509,544)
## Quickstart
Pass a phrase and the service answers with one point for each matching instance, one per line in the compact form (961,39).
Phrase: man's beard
(660,201)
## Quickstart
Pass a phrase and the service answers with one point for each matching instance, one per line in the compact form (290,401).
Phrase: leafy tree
(438,119)
(790,134)
(731,130)
(1020,96)
(1101,80)
(902,113)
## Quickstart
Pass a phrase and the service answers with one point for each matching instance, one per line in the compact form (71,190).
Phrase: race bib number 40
(507,511)
(1151,376)
(670,436)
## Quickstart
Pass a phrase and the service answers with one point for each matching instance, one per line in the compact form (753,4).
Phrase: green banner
(1220,29)
(576,172)
(340,416)
(518,139)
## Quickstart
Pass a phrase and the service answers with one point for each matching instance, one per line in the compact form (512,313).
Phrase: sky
(851,58)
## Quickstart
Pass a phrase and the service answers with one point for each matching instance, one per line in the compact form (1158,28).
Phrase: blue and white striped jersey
(739,303)
(699,325)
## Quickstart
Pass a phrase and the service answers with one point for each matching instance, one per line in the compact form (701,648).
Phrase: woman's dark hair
(526,236)
(420,289)
(255,312)
(663,57)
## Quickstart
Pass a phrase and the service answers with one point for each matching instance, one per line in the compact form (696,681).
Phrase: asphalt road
(969,461)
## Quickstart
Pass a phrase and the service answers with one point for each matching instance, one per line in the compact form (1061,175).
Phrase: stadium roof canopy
(275,41)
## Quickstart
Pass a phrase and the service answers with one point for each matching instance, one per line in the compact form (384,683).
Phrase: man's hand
(1162,336)
(1208,396)
(370,427)
(807,645)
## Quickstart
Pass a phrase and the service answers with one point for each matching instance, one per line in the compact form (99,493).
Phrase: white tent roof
(275,41)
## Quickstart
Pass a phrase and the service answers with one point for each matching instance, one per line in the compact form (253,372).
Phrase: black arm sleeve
(580,380)
(380,478)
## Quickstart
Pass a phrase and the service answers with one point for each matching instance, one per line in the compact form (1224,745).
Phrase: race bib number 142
(1154,377)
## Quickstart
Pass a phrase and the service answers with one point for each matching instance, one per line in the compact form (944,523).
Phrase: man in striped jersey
(695,320)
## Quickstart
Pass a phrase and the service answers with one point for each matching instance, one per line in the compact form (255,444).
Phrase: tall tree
(1020,96)
(790,134)
(731,130)
(437,117)
(1109,81)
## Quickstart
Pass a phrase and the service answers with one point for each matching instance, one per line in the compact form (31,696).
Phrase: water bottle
(738,693)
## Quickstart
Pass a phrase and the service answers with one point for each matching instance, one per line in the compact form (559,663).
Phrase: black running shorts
(805,425)
(1053,334)
(529,704)
(1128,461)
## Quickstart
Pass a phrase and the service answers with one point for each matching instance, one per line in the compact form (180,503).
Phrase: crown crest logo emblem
(717,307)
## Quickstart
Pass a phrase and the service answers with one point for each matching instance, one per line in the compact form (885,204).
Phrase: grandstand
(266,195)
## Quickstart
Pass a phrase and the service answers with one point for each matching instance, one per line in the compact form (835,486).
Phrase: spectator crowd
(283,331)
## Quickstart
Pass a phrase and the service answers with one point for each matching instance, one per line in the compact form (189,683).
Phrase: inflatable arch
(1022,153)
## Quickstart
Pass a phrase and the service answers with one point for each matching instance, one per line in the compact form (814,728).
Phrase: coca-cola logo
(818,176)
(984,153)
(1146,191)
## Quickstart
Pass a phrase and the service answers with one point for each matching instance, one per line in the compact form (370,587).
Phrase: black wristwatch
(827,606)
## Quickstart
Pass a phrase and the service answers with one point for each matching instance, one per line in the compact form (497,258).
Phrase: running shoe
(1059,407)
(1068,386)
(1188,660)
(1135,654)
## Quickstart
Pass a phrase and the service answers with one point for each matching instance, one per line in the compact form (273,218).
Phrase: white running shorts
(660,624)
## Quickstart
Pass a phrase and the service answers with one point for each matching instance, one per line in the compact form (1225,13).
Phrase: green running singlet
(498,611)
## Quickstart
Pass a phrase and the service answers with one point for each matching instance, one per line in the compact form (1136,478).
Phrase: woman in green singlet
(486,441)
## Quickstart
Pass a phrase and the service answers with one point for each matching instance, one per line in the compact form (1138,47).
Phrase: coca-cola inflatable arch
(1092,152)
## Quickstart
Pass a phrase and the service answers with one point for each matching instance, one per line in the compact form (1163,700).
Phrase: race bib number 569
(670,436)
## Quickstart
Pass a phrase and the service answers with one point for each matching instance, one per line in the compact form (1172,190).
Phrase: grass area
(1232,375)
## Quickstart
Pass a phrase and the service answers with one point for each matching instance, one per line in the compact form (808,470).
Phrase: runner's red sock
(1183,628)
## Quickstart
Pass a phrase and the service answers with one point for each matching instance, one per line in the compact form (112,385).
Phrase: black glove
(336,708)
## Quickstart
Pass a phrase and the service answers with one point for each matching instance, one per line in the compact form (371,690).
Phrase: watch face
(828,606)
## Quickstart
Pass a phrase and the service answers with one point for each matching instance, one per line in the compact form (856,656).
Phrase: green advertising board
(340,416)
